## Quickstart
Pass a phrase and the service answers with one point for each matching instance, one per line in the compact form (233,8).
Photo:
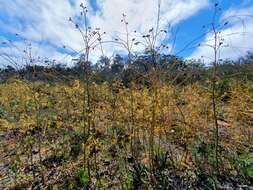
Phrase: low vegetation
(139,134)
(139,121)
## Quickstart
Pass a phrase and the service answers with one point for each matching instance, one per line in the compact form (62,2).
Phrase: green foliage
(161,167)
(245,163)
(128,184)
(83,178)
(2,113)
(204,156)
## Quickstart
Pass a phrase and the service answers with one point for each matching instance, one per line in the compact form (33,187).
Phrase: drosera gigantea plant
(149,42)
(32,140)
(91,39)
(29,60)
(218,43)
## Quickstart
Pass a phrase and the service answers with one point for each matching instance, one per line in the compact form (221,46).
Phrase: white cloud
(237,36)
(47,20)
(18,54)
(142,15)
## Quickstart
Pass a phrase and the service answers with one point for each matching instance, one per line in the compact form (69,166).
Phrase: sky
(42,27)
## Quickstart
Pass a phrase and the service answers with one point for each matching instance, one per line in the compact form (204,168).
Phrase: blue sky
(192,27)
(44,24)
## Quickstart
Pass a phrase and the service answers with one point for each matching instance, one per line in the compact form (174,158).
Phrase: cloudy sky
(44,24)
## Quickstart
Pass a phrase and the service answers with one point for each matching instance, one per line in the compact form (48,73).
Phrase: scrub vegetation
(146,120)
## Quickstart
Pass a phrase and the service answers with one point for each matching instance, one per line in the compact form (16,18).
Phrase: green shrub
(245,163)
(83,178)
